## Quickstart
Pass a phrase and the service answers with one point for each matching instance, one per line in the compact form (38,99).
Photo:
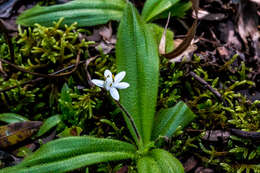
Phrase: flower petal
(108,74)
(119,76)
(99,83)
(121,85)
(108,83)
(114,93)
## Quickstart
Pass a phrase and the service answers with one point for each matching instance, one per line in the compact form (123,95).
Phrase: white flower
(112,83)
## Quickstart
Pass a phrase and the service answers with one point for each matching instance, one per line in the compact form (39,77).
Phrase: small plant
(137,55)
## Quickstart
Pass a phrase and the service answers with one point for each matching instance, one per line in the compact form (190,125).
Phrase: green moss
(233,111)
(42,50)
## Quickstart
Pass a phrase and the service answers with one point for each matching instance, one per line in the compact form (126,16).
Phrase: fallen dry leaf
(6,8)
(205,15)
(190,164)
(105,47)
(106,32)
(187,54)
(162,45)
(14,133)
(95,36)
(203,170)
(104,39)
(247,25)
(223,52)
(124,169)
(228,34)
(256,1)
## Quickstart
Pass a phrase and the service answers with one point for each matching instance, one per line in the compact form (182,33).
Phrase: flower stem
(129,117)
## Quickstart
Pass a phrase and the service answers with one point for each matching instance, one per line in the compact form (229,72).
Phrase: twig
(215,43)
(87,73)
(193,130)
(183,24)
(244,134)
(206,85)
(22,69)
(73,70)
(2,71)
(40,78)
(44,75)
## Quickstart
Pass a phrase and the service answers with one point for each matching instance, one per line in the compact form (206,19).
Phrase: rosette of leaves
(137,54)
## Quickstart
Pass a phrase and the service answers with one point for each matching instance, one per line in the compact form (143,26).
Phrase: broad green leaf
(158,32)
(178,10)
(68,164)
(12,118)
(153,8)
(168,120)
(148,164)
(137,54)
(69,147)
(166,161)
(84,12)
(159,161)
(49,124)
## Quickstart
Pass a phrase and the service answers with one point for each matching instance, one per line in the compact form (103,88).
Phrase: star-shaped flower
(112,83)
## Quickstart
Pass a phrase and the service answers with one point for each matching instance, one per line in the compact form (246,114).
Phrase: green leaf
(166,161)
(65,165)
(158,31)
(72,146)
(159,161)
(84,12)
(148,164)
(178,10)
(66,107)
(258,149)
(49,124)
(137,54)
(153,8)
(74,152)
(65,94)
(70,131)
(168,120)
(12,118)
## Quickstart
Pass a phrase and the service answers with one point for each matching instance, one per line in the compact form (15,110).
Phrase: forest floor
(217,76)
